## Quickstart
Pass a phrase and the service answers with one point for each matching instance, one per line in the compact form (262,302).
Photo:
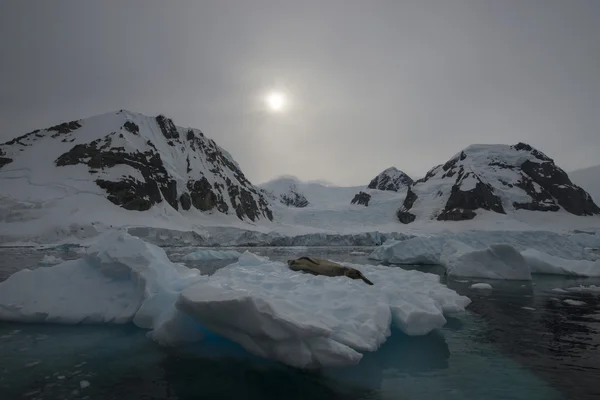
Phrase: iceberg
(120,279)
(494,254)
(312,321)
(542,263)
(298,319)
(498,261)
(207,255)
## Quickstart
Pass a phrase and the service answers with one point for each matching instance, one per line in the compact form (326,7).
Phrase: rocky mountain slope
(134,161)
(589,180)
(497,178)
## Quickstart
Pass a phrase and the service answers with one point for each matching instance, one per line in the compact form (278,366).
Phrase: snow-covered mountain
(391,179)
(498,178)
(133,161)
(588,179)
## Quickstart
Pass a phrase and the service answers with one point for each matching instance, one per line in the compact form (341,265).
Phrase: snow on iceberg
(120,279)
(498,261)
(206,255)
(542,263)
(306,321)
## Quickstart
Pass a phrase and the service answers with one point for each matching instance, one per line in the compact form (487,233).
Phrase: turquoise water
(497,350)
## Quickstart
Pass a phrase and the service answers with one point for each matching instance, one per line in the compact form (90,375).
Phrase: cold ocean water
(517,341)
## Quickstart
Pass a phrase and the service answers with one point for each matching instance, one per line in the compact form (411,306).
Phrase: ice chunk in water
(498,261)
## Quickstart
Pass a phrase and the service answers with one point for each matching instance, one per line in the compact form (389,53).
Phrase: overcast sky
(370,84)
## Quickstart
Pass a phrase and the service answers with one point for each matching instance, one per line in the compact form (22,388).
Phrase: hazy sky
(371,84)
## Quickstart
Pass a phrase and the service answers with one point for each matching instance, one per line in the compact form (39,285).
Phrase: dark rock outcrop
(402,214)
(361,198)
(64,128)
(556,183)
(186,201)
(482,196)
(203,197)
(167,127)
(405,217)
(391,179)
(3,159)
(294,199)
(100,154)
(131,127)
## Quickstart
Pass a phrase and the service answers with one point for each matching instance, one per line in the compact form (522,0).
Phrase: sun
(276,101)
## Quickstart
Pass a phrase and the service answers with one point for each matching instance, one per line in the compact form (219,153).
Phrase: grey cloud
(373,84)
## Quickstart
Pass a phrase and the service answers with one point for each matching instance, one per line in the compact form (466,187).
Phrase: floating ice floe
(299,319)
(481,286)
(51,260)
(593,289)
(207,255)
(572,302)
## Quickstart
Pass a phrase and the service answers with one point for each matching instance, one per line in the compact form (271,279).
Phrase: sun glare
(276,101)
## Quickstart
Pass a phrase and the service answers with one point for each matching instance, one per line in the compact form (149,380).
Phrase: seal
(317,266)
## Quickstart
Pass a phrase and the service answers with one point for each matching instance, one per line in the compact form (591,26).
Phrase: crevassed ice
(299,319)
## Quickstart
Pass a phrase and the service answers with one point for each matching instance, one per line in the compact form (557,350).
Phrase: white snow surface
(298,319)
(206,255)
(498,261)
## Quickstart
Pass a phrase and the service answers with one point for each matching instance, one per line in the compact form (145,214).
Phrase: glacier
(298,319)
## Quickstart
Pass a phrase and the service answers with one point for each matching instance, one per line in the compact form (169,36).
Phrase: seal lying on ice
(317,266)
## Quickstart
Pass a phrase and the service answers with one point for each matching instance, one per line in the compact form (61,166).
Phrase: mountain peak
(391,179)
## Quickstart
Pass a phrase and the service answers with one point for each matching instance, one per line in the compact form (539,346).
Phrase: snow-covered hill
(588,179)
(118,166)
(498,178)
